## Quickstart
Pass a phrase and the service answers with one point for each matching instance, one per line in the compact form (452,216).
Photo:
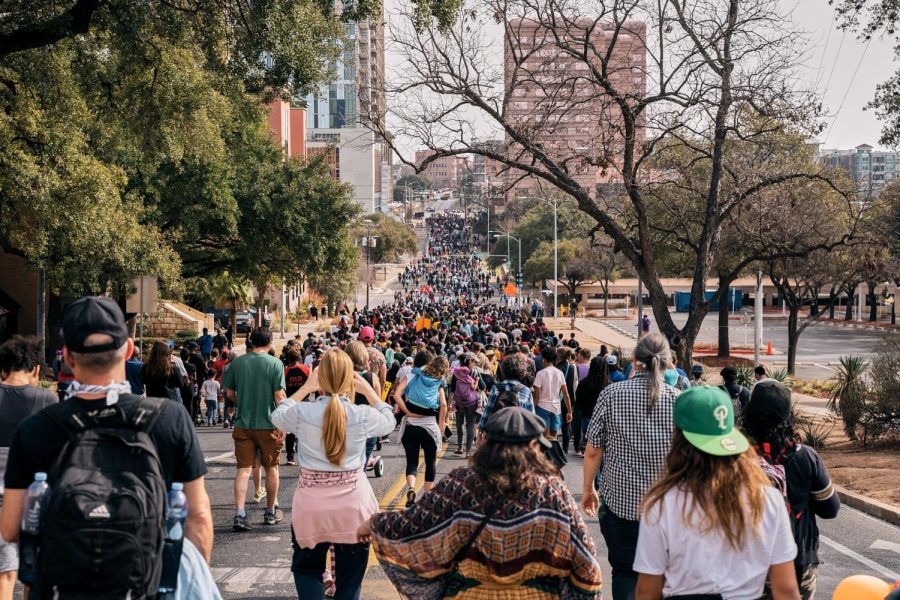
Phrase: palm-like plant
(849,393)
(745,376)
(231,292)
(783,377)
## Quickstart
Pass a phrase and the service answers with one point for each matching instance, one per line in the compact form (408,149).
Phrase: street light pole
(368,241)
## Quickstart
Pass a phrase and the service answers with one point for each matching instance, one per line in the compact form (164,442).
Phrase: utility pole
(368,244)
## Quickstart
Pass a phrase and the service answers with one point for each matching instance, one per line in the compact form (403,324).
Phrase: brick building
(555,100)
(445,172)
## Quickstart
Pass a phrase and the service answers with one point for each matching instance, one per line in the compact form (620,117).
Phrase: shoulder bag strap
(461,554)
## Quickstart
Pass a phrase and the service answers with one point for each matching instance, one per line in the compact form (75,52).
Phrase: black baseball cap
(90,315)
(770,404)
(515,425)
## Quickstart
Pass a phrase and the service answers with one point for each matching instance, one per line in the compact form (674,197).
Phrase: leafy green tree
(394,238)
(408,185)
(575,264)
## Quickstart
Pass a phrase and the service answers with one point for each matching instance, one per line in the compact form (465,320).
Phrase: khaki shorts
(248,441)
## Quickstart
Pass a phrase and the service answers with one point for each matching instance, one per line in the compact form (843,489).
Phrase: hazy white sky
(833,58)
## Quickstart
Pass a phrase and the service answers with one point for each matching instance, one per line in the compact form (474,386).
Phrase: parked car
(246,320)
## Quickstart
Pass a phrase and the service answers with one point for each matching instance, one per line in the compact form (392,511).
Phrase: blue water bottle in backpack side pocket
(36,498)
(176,515)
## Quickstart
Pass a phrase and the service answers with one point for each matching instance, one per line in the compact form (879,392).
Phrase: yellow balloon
(861,587)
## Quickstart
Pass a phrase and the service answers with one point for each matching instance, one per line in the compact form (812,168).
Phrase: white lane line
(885,545)
(878,568)
(220,457)
(252,575)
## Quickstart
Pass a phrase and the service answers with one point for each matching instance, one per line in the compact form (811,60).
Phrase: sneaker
(410,497)
(274,517)
(328,584)
(240,524)
(290,462)
(259,495)
(225,426)
(458,452)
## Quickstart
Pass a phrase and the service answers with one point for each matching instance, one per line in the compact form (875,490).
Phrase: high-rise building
(287,126)
(557,102)
(445,172)
(343,116)
(869,169)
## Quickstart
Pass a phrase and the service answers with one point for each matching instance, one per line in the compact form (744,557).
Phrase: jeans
(621,541)
(308,564)
(577,430)
(470,416)
(211,411)
(290,445)
(370,447)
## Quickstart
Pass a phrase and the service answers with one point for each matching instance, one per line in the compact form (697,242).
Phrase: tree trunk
(793,337)
(832,300)
(724,340)
(606,297)
(873,301)
(848,309)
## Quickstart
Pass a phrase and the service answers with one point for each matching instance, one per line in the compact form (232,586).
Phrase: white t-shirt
(210,390)
(696,563)
(549,382)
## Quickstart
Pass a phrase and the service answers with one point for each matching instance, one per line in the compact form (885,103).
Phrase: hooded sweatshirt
(422,390)
(466,393)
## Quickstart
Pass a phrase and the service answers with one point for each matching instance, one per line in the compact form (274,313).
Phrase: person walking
(205,342)
(210,392)
(60,441)
(740,396)
(21,396)
(513,388)
(159,375)
(255,383)
(447,544)
(295,375)
(549,385)
(563,363)
(358,354)
(713,500)
(586,395)
(631,430)
(465,402)
(769,421)
(425,411)
(333,497)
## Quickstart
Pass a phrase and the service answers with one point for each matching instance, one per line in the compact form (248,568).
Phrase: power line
(834,64)
(824,52)
(847,92)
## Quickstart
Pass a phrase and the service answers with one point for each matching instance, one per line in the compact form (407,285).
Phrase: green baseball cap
(706,417)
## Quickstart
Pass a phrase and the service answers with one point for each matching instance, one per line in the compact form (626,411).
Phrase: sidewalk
(613,337)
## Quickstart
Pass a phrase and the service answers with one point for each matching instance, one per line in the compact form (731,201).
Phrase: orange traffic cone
(769,350)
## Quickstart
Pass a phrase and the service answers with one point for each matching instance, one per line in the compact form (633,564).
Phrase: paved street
(820,346)
(257,564)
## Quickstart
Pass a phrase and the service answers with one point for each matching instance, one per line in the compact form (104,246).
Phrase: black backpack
(506,398)
(103,530)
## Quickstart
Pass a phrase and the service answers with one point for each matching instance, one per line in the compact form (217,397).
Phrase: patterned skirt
(331,506)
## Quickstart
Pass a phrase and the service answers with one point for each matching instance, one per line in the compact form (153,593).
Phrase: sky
(833,58)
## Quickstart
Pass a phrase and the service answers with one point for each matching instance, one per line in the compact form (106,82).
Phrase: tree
(394,238)
(703,76)
(575,264)
(609,264)
(233,293)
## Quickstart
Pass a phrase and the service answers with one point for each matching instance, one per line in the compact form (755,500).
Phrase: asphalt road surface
(819,349)
(256,564)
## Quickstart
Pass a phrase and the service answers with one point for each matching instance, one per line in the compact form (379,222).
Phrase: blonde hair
(653,352)
(437,367)
(358,353)
(336,379)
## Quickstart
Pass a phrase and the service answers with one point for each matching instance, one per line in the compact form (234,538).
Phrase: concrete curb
(869,506)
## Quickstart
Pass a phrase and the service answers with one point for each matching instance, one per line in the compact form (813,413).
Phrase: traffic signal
(519,279)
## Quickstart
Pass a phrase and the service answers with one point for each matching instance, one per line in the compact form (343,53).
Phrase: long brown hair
(159,363)
(336,379)
(508,468)
(727,493)
(437,367)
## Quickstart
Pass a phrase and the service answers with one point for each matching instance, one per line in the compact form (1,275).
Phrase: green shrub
(782,376)
(880,413)
(849,394)
(745,376)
